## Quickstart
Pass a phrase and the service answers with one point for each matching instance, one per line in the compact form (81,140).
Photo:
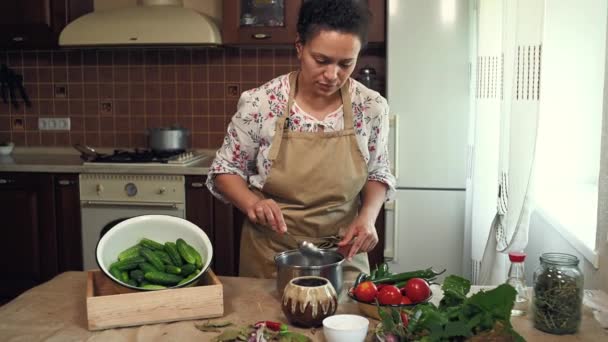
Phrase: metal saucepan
(87,153)
(172,139)
(291,264)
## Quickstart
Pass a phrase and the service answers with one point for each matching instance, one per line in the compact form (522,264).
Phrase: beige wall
(212,8)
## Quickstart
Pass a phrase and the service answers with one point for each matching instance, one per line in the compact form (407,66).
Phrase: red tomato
(389,294)
(404,319)
(405,300)
(380,286)
(403,291)
(417,289)
(366,291)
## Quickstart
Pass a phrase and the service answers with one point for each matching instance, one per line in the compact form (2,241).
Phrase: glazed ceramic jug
(308,300)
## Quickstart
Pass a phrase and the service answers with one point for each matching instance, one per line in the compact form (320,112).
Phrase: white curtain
(506,118)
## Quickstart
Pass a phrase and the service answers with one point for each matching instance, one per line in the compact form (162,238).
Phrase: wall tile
(146,88)
(90,74)
(45,75)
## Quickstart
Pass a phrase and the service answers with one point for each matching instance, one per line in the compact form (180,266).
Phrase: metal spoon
(309,249)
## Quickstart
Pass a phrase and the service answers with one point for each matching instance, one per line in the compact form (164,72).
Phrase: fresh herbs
(263,331)
(558,302)
(457,318)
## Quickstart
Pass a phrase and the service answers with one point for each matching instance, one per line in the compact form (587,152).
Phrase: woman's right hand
(267,212)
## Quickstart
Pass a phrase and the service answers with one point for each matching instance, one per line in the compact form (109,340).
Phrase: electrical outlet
(61,90)
(105,107)
(233,90)
(54,124)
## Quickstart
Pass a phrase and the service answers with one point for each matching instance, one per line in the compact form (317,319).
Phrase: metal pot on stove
(172,139)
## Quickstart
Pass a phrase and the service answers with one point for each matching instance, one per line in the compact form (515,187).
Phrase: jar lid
(517,256)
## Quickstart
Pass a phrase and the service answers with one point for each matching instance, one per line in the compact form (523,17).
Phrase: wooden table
(56,311)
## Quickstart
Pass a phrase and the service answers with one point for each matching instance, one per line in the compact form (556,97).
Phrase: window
(570,121)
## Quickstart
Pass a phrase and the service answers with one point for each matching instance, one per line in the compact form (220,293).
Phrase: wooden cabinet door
(377,29)
(29,251)
(236,31)
(199,209)
(37,23)
(68,224)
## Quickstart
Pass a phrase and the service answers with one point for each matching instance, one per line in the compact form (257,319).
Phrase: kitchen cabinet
(377,29)
(28,234)
(67,222)
(37,23)
(40,231)
(199,208)
(259,22)
(220,221)
(262,22)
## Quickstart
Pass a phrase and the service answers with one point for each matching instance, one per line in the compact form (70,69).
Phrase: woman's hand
(267,213)
(361,236)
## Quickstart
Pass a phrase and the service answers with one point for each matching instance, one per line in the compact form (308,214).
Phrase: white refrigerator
(428,68)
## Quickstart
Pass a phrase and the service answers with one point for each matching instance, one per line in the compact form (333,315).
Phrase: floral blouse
(246,145)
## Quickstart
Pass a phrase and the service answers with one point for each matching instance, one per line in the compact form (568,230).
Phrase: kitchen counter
(56,310)
(67,160)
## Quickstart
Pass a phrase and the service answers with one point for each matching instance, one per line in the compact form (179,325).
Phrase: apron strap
(347,106)
(280,124)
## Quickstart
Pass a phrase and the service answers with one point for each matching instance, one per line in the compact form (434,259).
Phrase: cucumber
(162,278)
(185,252)
(129,263)
(132,282)
(124,276)
(152,258)
(116,272)
(147,267)
(197,256)
(173,269)
(153,287)
(188,278)
(187,269)
(137,275)
(129,252)
(171,249)
(164,257)
(151,244)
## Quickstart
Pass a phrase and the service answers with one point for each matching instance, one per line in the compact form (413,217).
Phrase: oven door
(99,217)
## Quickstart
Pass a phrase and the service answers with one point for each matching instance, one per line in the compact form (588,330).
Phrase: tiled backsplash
(112,95)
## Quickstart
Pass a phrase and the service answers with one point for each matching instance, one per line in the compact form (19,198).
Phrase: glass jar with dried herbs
(558,294)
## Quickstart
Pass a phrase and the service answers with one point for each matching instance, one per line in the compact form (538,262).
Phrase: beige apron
(315,179)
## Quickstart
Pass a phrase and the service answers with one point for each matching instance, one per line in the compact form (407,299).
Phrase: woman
(303,147)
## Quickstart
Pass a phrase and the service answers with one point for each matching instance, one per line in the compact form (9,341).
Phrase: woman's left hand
(361,236)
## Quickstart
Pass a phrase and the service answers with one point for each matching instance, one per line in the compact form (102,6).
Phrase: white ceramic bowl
(345,328)
(160,228)
(7,149)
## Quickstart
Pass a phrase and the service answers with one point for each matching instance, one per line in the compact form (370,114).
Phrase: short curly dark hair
(346,16)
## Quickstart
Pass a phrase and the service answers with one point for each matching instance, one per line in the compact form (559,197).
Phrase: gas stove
(146,157)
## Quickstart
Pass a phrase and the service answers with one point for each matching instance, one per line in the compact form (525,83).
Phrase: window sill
(573,219)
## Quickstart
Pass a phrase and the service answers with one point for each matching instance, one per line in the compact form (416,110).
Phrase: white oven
(107,199)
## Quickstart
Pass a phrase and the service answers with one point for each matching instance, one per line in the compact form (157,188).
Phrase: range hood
(152,22)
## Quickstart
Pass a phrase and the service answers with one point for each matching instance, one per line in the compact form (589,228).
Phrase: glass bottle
(517,280)
(558,294)
(367,76)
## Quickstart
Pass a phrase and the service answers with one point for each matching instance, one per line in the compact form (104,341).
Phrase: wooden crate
(107,308)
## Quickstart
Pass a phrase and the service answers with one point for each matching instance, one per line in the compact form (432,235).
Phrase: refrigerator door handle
(390,238)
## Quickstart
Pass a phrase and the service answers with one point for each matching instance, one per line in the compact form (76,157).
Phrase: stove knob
(161,191)
(131,189)
(99,189)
